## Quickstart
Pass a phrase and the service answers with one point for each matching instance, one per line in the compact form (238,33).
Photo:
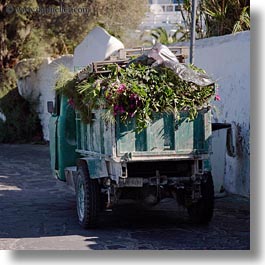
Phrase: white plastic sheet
(162,55)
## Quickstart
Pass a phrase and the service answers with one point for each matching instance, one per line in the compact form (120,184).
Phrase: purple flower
(118,109)
(121,109)
(135,99)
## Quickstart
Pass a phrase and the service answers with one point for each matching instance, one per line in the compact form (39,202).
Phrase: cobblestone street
(38,212)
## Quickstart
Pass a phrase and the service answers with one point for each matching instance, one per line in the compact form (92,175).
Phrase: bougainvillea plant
(137,92)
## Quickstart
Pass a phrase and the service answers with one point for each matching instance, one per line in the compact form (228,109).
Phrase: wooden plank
(155,132)
(125,136)
(98,67)
(125,55)
(184,134)
(179,51)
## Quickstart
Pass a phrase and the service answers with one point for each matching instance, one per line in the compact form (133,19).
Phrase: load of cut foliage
(137,92)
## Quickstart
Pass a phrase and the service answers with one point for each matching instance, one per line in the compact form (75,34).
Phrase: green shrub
(22,123)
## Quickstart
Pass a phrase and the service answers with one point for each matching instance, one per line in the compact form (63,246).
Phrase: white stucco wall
(39,87)
(227,60)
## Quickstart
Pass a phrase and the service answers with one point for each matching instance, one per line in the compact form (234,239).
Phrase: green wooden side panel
(198,125)
(155,133)
(141,141)
(202,132)
(94,135)
(78,131)
(83,134)
(165,134)
(125,134)
(161,133)
(184,135)
(157,137)
(169,131)
(207,131)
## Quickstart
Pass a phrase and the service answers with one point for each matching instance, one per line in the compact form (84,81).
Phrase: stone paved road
(38,212)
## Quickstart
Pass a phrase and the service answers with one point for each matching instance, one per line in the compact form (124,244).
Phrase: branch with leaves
(137,92)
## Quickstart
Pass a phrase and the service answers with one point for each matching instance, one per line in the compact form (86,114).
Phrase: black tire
(87,198)
(202,211)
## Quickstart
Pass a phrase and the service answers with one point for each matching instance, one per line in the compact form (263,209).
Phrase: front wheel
(87,198)
(201,212)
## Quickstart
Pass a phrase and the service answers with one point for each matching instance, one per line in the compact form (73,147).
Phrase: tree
(38,28)
(226,16)
(161,35)
(213,18)
(243,22)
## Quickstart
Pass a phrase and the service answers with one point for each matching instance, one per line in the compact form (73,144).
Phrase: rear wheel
(87,198)
(201,212)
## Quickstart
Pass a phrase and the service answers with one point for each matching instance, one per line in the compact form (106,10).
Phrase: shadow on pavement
(39,212)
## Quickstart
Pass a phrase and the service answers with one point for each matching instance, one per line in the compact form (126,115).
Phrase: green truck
(108,163)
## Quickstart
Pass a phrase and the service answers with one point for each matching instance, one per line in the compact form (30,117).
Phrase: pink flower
(217,98)
(121,88)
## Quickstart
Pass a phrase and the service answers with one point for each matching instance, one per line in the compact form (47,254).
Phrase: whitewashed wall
(227,59)
(39,87)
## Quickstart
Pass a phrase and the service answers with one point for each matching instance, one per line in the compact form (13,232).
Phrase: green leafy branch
(137,92)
